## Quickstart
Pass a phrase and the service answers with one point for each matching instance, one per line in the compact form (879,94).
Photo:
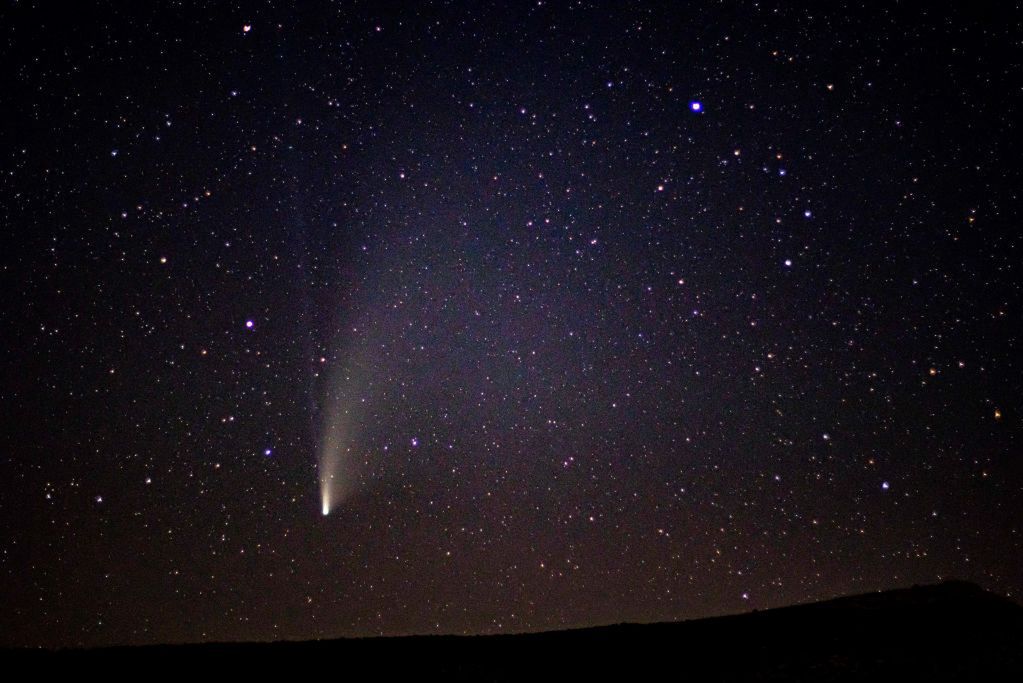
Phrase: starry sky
(566,313)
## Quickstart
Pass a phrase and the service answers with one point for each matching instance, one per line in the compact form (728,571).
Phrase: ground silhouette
(948,632)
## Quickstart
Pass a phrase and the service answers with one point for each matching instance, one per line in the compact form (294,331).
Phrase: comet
(331,460)
(349,398)
(338,466)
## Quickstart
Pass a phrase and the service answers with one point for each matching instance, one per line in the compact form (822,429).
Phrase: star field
(566,313)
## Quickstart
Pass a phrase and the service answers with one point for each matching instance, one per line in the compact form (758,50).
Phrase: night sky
(566,314)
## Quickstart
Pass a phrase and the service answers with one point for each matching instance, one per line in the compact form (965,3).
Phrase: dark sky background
(581,350)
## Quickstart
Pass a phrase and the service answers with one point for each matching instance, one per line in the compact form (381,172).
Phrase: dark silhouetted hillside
(951,632)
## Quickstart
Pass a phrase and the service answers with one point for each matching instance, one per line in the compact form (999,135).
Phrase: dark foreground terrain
(953,631)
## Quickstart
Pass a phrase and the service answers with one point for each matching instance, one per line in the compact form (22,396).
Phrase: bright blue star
(696,106)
